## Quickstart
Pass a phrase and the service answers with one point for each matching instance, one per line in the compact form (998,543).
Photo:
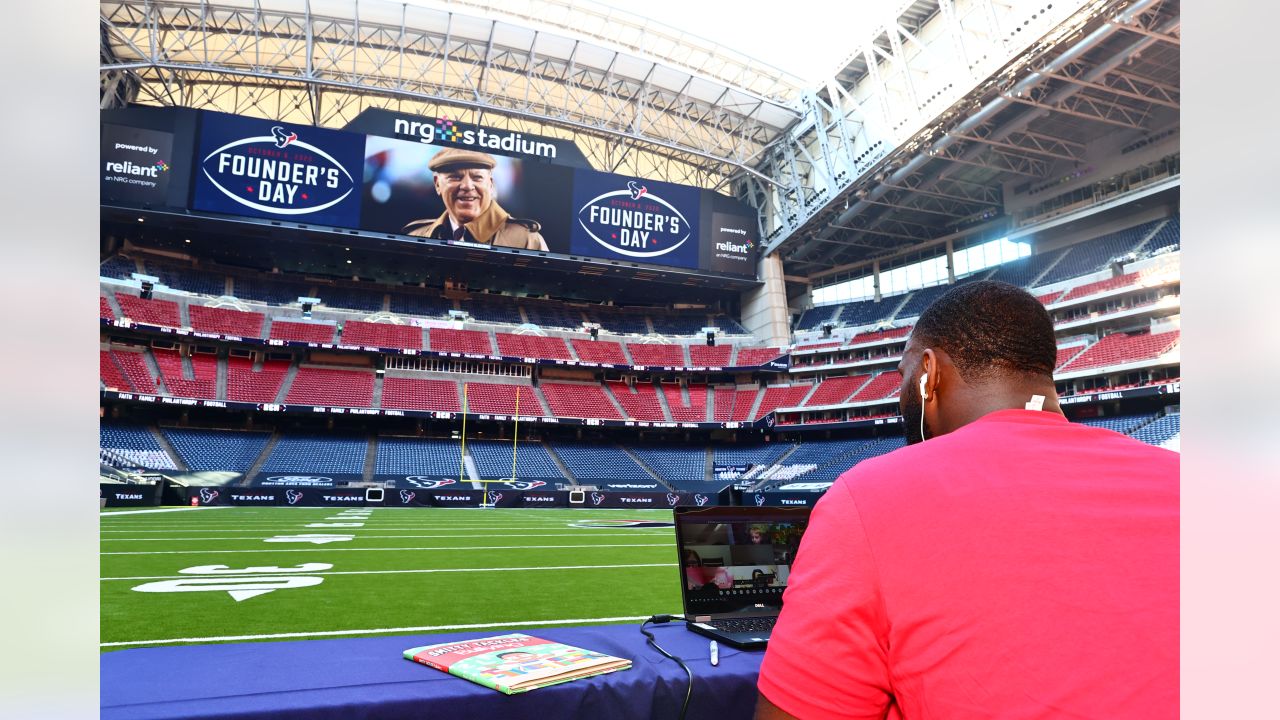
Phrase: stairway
(371,456)
(287,383)
(564,469)
(169,448)
(221,387)
(662,401)
(261,460)
(647,469)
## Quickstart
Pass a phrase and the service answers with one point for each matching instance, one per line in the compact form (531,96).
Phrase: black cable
(658,619)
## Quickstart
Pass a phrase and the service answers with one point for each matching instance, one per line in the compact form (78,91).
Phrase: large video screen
(262,168)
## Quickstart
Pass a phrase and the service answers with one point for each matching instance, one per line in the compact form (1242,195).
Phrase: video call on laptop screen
(731,564)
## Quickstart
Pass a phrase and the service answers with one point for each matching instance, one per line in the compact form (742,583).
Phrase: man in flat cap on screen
(464,180)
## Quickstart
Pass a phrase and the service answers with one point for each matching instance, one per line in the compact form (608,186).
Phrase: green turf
(499,567)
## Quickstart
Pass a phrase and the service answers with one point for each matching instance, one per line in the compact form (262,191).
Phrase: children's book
(515,663)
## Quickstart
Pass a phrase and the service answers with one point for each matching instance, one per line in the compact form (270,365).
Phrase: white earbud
(924,379)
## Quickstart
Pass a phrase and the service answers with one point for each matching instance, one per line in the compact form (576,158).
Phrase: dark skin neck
(967,402)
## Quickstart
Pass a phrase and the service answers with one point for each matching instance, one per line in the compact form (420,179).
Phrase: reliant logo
(129,168)
(278,174)
(742,248)
(446,130)
(634,222)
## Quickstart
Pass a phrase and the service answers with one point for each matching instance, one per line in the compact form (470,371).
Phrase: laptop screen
(737,559)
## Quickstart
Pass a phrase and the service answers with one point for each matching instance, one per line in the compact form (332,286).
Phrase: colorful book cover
(515,663)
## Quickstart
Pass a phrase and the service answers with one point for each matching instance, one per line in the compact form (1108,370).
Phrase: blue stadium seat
(675,465)
(117,266)
(762,454)
(493,461)
(1160,431)
(230,450)
(274,291)
(548,315)
(317,454)
(729,325)
(678,324)
(867,312)
(618,322)
(423,303)
(191,280)
(1093,255)
(349,299)
(1169,236)
(593,463)
(1023,271)
(136,444)
(493,309)
(1123,424)
(415,456)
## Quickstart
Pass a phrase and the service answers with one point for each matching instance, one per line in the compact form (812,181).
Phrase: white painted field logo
(279,174)
(634,222)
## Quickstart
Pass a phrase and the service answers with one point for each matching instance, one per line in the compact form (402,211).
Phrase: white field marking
(411,572)
(373,537)
(161,510)
(400,549)
(375,631)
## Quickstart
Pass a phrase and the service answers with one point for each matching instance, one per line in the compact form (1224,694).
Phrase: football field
(241,574)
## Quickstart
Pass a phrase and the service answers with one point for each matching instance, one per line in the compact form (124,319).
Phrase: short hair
(990,327)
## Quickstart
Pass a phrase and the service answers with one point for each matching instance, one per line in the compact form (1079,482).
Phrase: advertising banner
(263,168)
(610,499)
(285,479)
(129,495)
(778,499)
(622,218)
(136,165)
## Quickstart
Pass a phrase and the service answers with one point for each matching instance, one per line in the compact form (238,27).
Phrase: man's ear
(930,366)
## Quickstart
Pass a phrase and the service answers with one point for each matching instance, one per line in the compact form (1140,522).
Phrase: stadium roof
(1113,74)
(638,96)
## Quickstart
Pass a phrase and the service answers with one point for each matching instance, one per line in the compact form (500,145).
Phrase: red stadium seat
(383,335)
(657,354)
(150,312)
(750,357)
(639,402)
(471,342)
(882,386)
(532,346)
(302,331)
(225,321)
(710,356)
(600,351)
(693,411)
(203,382)
(500,399)
(244,384)
(333,387)
(834,391)
(404,393)
(1120,348)
(581,401)
(134,365)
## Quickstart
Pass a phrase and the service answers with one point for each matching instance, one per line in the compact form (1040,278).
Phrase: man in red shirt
(1012,565)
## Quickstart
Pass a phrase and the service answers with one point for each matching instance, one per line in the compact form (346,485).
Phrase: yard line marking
(407,572)
(374,631)
(402,549)
(161,510)
(378,537)
(368,528)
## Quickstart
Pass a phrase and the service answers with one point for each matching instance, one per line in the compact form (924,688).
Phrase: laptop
(734,565)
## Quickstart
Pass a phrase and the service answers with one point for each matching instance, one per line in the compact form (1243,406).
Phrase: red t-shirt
(1022,566)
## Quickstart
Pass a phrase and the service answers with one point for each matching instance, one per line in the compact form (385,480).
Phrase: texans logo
(672,499)
(407,496)
(523,484)
(759,500)
(700,499)
(596,498)
(494,497)
(293,496)
(636,189)
(207,496)
(283,138)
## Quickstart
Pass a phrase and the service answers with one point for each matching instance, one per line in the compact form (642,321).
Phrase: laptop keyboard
(744,625)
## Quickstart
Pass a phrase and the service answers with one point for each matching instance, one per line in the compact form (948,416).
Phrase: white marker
(715,653)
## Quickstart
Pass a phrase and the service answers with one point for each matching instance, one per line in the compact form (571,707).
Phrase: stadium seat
(579,401)
(189,279)
(1123,424)
(834,391)
(225,321)
(674,464)
(873,336)
(1066,353)
(493,461)
(363,300)
(277,291)
(309,454)
(226,450)
(594,463)
(814,318)
(1161,431)
(203,380)
(417,456)
(500,399)
(1096,254)
(110,374)
(150,312)
(692,410)
(710,355)
(549,314)
(118,267)
(532,346)
(383,335)
(639,402)
(245,384)
(1122,348)
(104,309)
(332,387)
(1168,236)
(655,354)
(135,444)
(734,405)
(492,309)
(471,342)
(134,365)
(315,332)
(776,396)
(750,357)
(404,393)
(1024,271)
(421,304)
(600,351)
(1093,288)
(884,385)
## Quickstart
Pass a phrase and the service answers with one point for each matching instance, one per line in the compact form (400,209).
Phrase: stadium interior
(237,351)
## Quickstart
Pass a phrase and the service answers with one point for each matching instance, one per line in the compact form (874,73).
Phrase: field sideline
(236,574)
